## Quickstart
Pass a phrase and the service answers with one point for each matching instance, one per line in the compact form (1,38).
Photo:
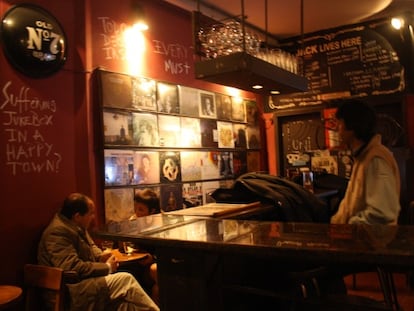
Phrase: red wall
(30,198)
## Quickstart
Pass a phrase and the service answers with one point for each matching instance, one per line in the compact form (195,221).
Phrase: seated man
(66,244)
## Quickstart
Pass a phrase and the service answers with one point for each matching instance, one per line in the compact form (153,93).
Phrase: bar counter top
(302,242)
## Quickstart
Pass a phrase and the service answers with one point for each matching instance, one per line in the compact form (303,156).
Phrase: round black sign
(33,40)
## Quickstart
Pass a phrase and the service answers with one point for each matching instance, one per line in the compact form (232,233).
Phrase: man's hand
(113,264)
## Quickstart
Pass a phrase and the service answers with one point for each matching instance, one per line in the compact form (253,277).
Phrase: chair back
(40,282)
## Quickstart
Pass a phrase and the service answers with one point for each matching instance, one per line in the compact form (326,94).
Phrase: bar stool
(9,296)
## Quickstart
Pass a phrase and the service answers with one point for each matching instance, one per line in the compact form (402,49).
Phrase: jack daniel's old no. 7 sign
(33,40)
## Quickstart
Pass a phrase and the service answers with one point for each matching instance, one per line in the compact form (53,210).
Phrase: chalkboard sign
(359,60)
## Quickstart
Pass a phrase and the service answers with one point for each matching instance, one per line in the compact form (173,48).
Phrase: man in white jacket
(372,195)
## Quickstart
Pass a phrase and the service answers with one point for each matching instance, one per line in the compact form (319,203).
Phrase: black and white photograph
(238,110)
(223,104)
(207,105)
(145,127)
(190,132)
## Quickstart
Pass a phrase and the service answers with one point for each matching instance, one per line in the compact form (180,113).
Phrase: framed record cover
(169,129)
(191,165)
(116,90)
(171,197)
(170,166)
(146,167)
(117,127)
(167,98)
(145,129)
(192,194)
(188,97)
(119,167)
(144,94)
(190,132)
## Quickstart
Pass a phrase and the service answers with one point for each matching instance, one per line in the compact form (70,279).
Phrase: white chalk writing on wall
(112,36)
(24,120)
(175,57)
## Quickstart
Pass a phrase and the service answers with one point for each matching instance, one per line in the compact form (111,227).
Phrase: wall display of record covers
(184,142)
(167,98)
(188,101)
(169,128)
(238,110)
(190,133)
(253,137)
(117,128)
(145,129)
(191,165)
(240,139)
(192,194)
(119,204)
(119,167)
(209,137)
(144,94)
(225,134)
(207,105)
(170,166)
(116,90)
(171,197)
(146,167)
(223,103)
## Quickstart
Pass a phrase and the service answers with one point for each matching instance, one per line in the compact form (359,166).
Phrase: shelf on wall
(242,70)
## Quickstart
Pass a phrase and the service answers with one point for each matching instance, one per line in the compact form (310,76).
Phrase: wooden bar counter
(202,260)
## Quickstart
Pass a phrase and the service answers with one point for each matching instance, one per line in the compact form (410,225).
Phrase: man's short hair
(75,203)
(359,117)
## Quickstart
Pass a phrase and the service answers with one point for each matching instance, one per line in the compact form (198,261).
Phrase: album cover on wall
(117,128)
(223,103)
(209,137)
(188,97)
(170,166)
(190,132)
(226,164)
(119,204)
(144,94)
(225,134)
(191,165)
(145,128)
(210,165)
(240,139)
(116,90)
(146,167)
(119,167)
(252,113)
(253,137)
(169,128)
(207,105)
(167,98)
(171,197)
(253,161)
(239,163)
(238,110)
(192,194)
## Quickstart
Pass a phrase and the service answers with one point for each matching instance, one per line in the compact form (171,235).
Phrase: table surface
(385,245)
(9,294)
